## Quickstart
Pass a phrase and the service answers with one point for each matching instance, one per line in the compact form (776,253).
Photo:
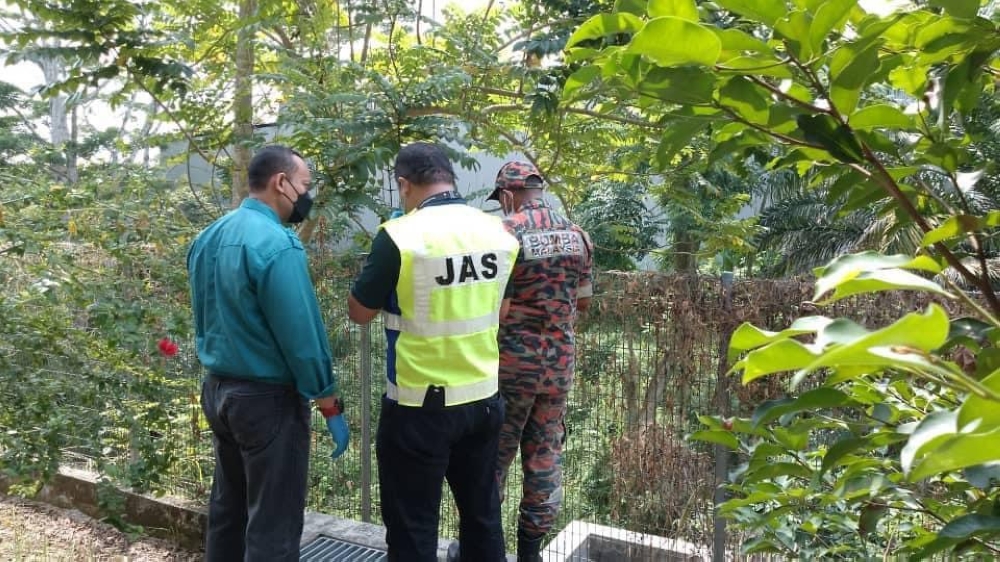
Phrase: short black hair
(424,163)
(270,160)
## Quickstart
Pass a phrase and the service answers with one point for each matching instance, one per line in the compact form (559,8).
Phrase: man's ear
(276,180)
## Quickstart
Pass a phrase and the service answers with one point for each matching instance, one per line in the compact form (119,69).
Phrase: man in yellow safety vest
(438,275)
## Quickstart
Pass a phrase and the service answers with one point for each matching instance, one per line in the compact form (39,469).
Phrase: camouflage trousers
(535,411)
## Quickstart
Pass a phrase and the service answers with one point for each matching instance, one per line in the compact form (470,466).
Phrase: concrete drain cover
(328,549)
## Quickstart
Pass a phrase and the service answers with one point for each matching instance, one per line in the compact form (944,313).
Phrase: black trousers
(261,437)
(417,449)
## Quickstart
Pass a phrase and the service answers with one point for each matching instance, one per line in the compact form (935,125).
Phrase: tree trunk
(685,248)
(147,129)
(52,70)
(72,173)
(243,102)
(59,127)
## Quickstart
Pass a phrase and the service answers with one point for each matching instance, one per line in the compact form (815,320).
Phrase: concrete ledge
(581,542)
(357,532)
(165,517)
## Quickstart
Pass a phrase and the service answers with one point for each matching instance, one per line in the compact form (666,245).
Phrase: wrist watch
(335,410)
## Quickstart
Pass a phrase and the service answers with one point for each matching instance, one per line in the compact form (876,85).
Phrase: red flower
(167,347)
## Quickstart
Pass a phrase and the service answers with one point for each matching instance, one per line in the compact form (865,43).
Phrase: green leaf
(738,144)
(833,137)
(851,70)
(839,450)
(958,8)
(747,336)
(942,155)
(762,545)
(959,225)
(849,266)
(968,327)
(580,54)
(883,413)
(745,99)
(880,116)
(878,141)
(936,425)
(831,16)
(682,85)
(906,341)
(777,469)
(582,77)
(816,399)
(684,9)
(987,362)
(946,39)
(764,11)
(677,136)
(637,7)
(793,438)
(883,280)
(860,272)
(738,40)
(985,412)
(690,43)
(983,476)
(603,25)
(870,516)
(781,118)
(719,437)
(785,355)
(933,547)
(756,66)
(794,28)
(910,79)
(970,525)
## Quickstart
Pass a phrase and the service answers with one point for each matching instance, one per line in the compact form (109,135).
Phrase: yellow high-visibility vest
(455,262)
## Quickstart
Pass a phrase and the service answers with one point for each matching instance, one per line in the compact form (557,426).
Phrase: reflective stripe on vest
(453,395)
(455,262)
(438,329)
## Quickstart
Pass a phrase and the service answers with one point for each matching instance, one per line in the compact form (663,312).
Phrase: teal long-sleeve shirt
(255,310)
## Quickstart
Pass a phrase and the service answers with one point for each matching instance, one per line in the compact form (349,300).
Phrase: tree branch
(278,34)
(619,119)
(784,138)
(783,95)
(486,13)
(889,184)
(816,84)
(534,28)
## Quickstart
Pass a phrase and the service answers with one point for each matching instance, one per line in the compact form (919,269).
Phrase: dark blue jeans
(261,437)
(417,449)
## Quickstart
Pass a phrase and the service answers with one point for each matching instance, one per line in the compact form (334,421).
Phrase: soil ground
(36,532)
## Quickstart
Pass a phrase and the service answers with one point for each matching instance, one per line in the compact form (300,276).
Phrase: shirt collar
(442,198)
(260,207)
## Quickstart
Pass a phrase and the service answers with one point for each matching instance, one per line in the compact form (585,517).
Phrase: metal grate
(327,549)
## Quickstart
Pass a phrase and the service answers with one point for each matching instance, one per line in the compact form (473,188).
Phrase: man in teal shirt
(260,335)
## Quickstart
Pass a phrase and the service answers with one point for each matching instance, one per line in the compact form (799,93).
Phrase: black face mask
(300,207)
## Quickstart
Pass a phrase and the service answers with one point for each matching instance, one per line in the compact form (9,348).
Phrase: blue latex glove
(396,213)
(340,433)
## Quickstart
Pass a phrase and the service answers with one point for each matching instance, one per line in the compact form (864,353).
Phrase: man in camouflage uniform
(552,280)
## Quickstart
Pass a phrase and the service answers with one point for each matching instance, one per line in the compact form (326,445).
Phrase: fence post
(722,404)
(365,352)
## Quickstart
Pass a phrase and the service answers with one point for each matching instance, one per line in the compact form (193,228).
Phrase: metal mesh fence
(651,358)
